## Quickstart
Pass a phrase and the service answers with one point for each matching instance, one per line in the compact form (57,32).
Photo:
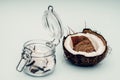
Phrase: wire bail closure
(25,58)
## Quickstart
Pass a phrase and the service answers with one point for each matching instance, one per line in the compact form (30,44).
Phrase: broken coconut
(86,48)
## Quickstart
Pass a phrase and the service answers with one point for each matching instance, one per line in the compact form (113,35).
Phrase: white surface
(20,21)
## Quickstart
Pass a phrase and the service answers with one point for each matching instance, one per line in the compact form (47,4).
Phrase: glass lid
(53,25)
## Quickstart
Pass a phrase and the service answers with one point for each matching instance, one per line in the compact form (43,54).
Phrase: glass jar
(38,56)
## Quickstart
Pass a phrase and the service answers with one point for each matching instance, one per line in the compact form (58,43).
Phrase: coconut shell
(82,60)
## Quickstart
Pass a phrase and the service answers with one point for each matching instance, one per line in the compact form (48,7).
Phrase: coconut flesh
(94,45)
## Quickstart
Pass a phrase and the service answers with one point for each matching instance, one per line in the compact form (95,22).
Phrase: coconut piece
(83,58)
(42,65)
(84,44)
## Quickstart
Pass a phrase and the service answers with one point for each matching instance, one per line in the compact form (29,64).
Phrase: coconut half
(86,48)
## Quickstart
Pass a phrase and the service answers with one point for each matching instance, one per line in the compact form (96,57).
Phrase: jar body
(39,58)
(40,66)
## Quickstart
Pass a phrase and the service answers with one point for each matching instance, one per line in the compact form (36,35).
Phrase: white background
(21,21)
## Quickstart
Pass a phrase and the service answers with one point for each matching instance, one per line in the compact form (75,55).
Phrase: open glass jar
(38,56)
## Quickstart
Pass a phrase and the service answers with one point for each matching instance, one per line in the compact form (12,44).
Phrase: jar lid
(53,25)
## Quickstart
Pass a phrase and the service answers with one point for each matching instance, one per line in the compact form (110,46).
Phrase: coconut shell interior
(95,33)
(82,43)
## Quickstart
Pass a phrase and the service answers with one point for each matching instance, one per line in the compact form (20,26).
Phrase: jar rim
(41,42)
